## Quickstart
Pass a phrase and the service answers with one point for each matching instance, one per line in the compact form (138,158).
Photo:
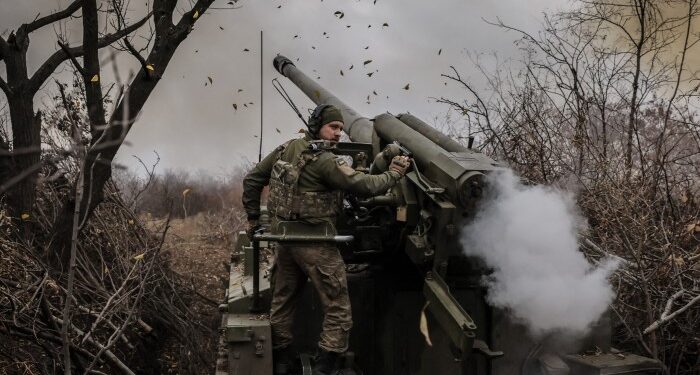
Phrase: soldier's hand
(253,225)
(400,164)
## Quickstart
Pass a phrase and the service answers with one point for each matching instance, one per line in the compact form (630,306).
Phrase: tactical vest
(287,202)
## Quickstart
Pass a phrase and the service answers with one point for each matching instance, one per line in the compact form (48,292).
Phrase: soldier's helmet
(323,114)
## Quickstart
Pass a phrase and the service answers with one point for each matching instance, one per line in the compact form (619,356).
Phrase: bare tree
(107,135)
(604,97)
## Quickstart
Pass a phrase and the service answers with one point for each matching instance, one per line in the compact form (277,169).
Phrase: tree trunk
(106,143)
(26,132)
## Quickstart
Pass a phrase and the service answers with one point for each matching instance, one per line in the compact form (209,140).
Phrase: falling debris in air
(385,24)
(246,50)
(278,130)
(235,106)
(240,90)
(351,66)
(210,80)
(406,87)
(367,47)
(374,92)
(341,72)
(367,62)
(370,74)
(221,27)
(440,51)
(339,14)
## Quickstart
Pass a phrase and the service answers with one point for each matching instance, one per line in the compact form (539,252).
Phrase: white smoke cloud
(527,234)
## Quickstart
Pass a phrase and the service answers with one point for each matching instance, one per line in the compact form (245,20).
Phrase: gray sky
(194,126)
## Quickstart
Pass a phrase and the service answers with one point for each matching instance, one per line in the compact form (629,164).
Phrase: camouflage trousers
(323,265)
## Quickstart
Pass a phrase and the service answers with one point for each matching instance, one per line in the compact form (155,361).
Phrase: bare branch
(665,318)
(136,54)
(43,21)
(72,58)
(60,56)
(5,88)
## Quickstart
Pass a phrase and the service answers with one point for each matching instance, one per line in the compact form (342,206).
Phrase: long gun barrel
(445,162)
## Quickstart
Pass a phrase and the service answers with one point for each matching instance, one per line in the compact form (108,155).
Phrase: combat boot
(282,360)
(326,363)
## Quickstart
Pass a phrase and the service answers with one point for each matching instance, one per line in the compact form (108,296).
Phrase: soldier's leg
(326,269)
(289,281)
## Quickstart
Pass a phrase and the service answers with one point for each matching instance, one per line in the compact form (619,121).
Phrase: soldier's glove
(400,164)
(253,225)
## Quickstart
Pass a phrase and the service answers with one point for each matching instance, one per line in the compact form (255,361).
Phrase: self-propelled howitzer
(418,302)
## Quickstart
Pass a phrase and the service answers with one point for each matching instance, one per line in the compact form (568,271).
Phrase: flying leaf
(374,92)
(440,51)
(221,27)
(245,50)
(149,67)
(95,78)
(24,216)
(278,130)
(313,47)
(367,62)
(245,105)
(186,191)
(370,74)
(385,24)
(348,26)
(139,257)
(341,72)
(339,14)
(367,47)
(235,106)
(368,26)
(324,33)
(406,87)
(296,36)
(240,90)
(195,15)
(279,6)
(351,66)
(210,80)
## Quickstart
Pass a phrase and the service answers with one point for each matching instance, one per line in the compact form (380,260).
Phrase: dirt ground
(199,248)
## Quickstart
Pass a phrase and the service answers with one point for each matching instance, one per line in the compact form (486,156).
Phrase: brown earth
(199,248)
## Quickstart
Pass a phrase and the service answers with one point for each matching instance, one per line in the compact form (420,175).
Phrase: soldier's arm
(255,181)
(339,175)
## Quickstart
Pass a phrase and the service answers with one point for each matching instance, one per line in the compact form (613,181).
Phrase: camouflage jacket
(325,173)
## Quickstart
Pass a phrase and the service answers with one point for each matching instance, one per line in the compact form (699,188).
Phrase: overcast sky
(192,124)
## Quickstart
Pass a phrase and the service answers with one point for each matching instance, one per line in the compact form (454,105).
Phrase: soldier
(306,188)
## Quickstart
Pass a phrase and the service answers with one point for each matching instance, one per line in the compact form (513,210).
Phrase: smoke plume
(528,236)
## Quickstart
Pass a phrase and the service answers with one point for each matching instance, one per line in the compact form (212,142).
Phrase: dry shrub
(581,112)
(129,310)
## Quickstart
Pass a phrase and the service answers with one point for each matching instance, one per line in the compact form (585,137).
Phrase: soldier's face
(331,131)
